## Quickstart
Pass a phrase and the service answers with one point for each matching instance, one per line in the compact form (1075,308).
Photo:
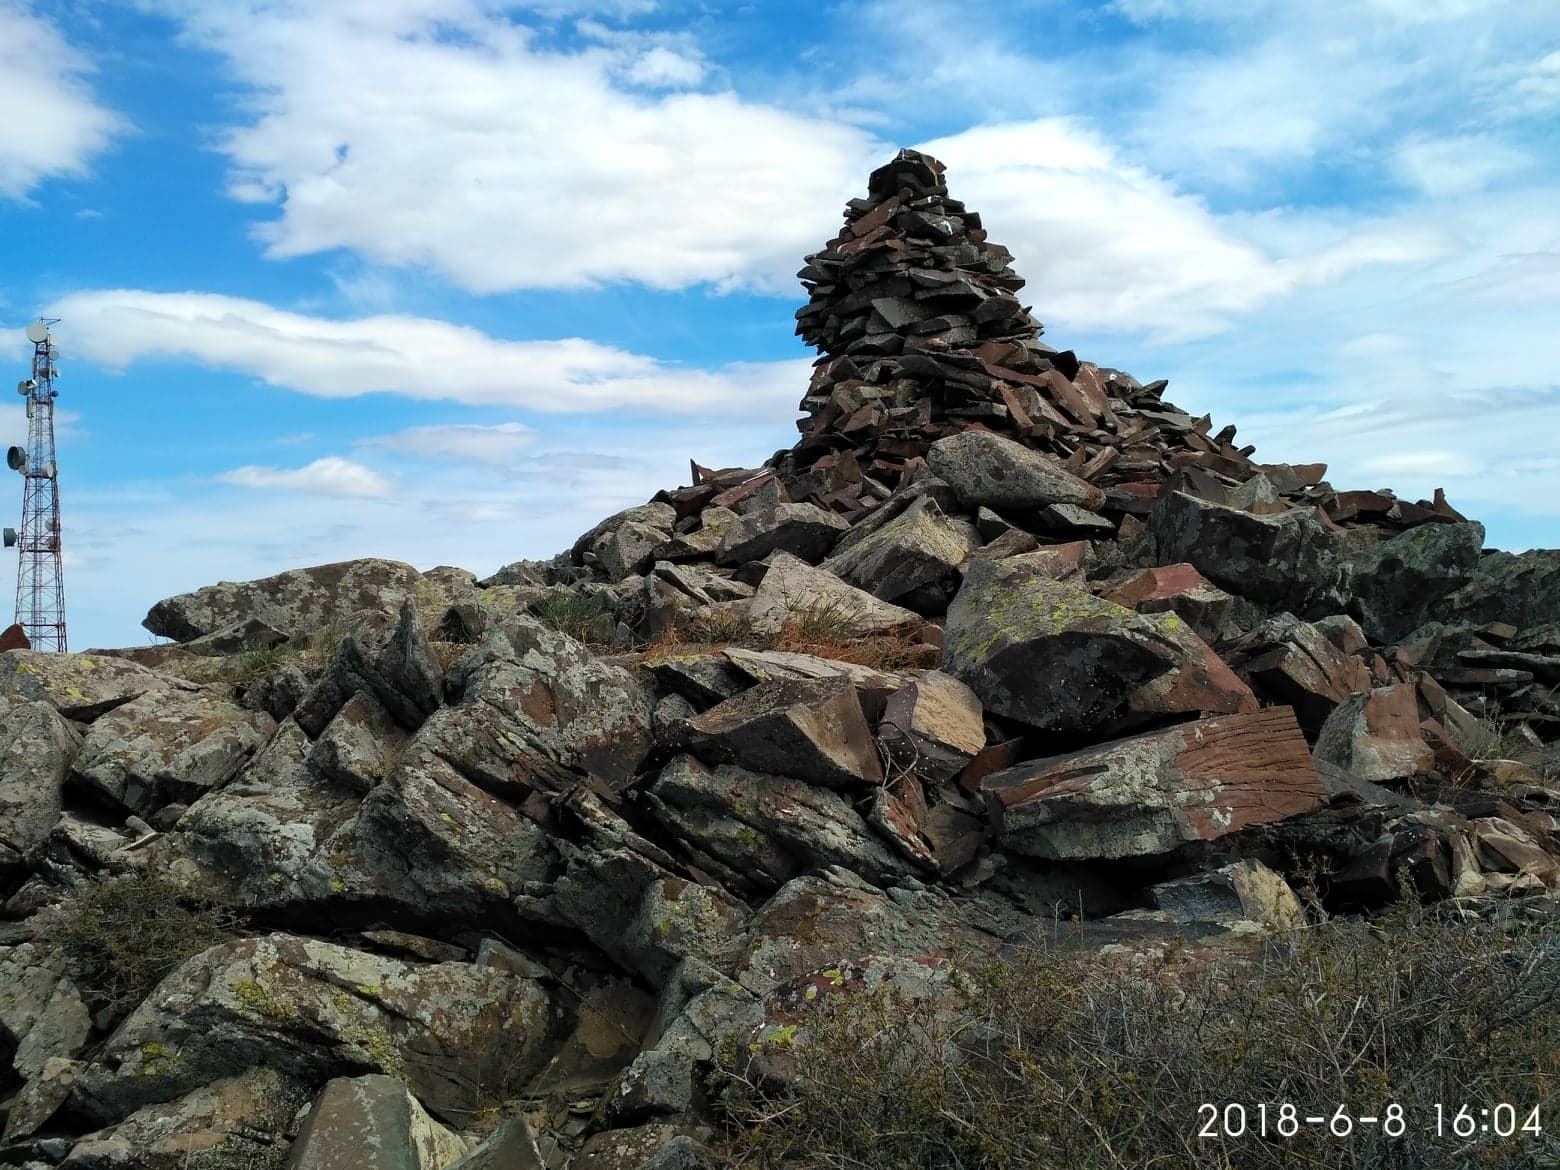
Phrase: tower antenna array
(40,585)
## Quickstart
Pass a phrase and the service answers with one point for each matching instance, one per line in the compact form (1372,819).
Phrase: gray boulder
(42,1015)
(1044,652)
(804,531)
(307,1009)
(371,1123)
(792,587)
(918,547)
(985,468)
(1394,584)
(36,748)
(295,603)
(79,686)
(1520,588)
(386,654)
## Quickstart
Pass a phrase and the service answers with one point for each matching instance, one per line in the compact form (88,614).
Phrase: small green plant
(574,614)
(251,665)
(121,937)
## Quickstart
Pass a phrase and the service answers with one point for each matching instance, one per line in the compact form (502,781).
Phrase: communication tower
(40,585)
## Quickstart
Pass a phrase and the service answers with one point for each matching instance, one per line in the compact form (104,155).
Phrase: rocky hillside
(371,868)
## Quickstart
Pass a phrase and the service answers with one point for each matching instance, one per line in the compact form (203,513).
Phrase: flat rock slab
(294,603)
(371,1123)
(1152,793)
(933,727)
(1044,652)
(79,686)
(792,587)
(813,730)
(985,468)
(308,1008)
(767,829)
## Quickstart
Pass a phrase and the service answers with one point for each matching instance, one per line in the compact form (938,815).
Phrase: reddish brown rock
(1201,681)
(1375,735)
(933,727)
(14,638)
(1151,793)
(1179,589)
(1304,670)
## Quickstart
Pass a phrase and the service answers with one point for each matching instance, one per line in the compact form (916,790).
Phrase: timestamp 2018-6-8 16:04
(1285,1120)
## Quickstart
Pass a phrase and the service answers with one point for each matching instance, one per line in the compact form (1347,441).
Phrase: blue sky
(447,281)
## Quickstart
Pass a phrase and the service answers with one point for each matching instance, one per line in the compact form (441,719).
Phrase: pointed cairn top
(911,272)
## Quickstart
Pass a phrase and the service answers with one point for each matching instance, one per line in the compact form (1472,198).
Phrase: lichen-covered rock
(36,748)
(383,652)
(308,1009)
(235,1123)
(42,1015)
(654,515)
(918,547)
(296,603)
(1290,558)
(804,531)
(1178,589)
(1242,891)
(79,686)
(1152,793)
(792,587)
(166,748)
(532,708)
(359,746)
(509,1147)
(813,730)
(765,830)
(1394,584)
(1047,653)
(249,843)
(1293,662)
(984,468)
(431,843)
(1520,588)
(1199,682)
(1375,735)
(371,1123)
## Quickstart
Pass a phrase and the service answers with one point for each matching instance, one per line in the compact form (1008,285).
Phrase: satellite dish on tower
(26,387)
(16,459)
(37,332)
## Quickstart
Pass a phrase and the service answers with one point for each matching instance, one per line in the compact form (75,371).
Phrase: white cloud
(1106,244)
(416,356)
(331,476)
(1460,165)
(502,165)
(467,442)
(52,125)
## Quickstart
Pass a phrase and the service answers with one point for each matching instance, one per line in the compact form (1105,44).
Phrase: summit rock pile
(511,867)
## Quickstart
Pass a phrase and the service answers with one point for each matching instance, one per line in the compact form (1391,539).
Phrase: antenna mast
(40,585)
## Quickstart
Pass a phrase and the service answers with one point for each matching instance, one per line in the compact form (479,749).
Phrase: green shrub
(574,614)
(122,936)
(1068,1059)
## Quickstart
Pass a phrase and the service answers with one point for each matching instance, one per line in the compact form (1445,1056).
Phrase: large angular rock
(509,1147)
(1242,891)
(804,531)
(810,730)
(36,748)
(1152,793)
(765,830)
(236,1122)
(371,1123)
(1047,653)
(1290,558)
(387,654)
(933,727)
(1200,681)
(168,748)
(791,587)
(656,515)
(985,468)
(308,1009)
(432,844)
(1520,588)
(1295,663)
(1394,584)
(295,603)
(250,842)
(1375,735)
(534,709)
(42,1015)
(79,686)
(918,547)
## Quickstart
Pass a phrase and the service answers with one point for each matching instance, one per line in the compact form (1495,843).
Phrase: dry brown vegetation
(824,630)
(1060,1059)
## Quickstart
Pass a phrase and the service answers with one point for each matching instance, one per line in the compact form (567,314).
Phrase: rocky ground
(498,873)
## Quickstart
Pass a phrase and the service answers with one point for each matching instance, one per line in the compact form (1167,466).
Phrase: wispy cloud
(331,476)
(413,356)
(468,442)
(53,125)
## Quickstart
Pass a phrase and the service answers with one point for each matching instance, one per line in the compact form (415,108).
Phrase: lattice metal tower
(40,584)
